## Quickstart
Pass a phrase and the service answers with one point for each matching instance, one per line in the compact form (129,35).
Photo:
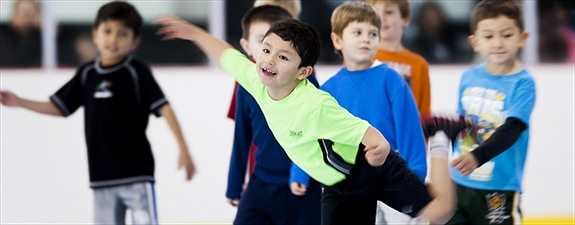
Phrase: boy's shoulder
(415,56)
(137,62)
(132,64)
(404,55)
(474,70)
(479,73)
(378,72)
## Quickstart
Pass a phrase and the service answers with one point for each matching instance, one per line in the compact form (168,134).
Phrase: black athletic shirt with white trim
(117,104)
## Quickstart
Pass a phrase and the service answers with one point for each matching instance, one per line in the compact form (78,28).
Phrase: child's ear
(472,40)
(406,22)
(94,35)
(336,40)
(523,36)
(304,72)
(136,42)
(245,45)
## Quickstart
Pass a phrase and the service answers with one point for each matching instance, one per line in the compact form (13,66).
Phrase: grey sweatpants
(112,203)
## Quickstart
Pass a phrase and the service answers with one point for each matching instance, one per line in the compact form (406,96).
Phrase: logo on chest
(103,90)
(296,134)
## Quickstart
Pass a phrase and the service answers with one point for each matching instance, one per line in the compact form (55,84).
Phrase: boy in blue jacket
(371,90)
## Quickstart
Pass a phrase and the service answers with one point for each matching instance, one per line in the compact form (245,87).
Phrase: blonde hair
(349,12)
(292,6)
(403,5)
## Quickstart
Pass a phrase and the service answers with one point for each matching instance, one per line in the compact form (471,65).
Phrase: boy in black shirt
(118,93)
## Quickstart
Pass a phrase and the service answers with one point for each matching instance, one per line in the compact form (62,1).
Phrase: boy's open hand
(9,99)
(175,28)
(185,162)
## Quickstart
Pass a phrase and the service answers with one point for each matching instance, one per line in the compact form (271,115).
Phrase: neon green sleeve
(242,69)
(340,126)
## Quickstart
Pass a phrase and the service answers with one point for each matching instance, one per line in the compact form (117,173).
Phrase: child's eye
(373,34)
(507,35)
(388,12)
(488,36)
(265,50)
(284,58)
(356,33)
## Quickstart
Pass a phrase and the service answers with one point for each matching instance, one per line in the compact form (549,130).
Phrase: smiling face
(278,66)
(358,43)
(498,40)
(114,41)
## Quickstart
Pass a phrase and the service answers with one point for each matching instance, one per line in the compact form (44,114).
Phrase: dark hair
(403,6)
(121,11)
(488,9)
(303,37)
(264,13)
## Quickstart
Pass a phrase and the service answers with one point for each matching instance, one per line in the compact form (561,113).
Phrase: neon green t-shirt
(302,118)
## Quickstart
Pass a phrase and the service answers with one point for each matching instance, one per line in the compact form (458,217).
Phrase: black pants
(354,200)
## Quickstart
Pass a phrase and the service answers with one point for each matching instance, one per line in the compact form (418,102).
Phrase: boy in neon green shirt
(349,157)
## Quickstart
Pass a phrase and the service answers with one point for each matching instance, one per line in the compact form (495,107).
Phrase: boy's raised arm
(176,28)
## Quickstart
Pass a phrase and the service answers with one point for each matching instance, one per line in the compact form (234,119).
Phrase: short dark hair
(403,5)
(264,13)
(488,9)
(303,37)
(121,11)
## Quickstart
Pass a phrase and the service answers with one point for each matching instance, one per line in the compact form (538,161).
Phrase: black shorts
(354,200)
(476,206)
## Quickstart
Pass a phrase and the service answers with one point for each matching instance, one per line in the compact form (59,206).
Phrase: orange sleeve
(422,93)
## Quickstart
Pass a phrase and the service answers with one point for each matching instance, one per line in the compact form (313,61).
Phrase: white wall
(43,164)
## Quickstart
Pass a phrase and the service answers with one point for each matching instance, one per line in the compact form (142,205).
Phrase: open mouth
(268,72)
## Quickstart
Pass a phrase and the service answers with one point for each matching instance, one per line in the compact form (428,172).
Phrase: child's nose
(498,42)
(366,38)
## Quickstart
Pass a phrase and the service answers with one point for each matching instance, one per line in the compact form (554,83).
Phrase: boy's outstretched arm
(184,158)
(441,208)
(376,147)
(176,28)
(8,98)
